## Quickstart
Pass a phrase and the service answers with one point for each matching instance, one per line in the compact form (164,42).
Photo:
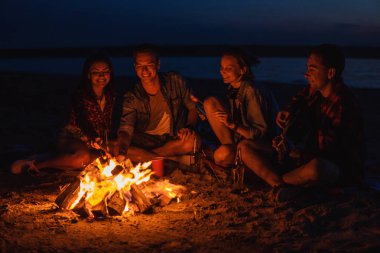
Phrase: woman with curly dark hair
(89,123)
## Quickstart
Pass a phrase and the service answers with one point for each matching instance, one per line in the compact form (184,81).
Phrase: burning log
(116,204)
(111,188)
(140,200)
(68,196)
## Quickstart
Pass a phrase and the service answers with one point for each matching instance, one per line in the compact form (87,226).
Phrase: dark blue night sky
(79,23)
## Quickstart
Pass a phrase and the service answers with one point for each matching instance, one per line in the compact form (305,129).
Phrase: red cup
(158,166)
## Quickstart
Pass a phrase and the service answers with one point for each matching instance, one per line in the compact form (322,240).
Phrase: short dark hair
(331,56)
(145,48)
(244,60)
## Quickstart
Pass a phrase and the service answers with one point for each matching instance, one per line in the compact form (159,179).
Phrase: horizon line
(203,50)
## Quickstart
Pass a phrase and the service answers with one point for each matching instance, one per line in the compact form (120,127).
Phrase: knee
(224,155)
(187,146)
(247,147)
(210,104)
(323,170)
(244,145)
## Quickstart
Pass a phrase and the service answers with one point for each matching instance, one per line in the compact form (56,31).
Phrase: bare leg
(316,171)
(223,133)
(178,146)
(73,154)
(257,157)
(225,155)
(170,148)
(140,155)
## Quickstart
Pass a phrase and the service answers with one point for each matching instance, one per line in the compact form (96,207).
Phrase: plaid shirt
(340,133)
(334,128)
(86,115)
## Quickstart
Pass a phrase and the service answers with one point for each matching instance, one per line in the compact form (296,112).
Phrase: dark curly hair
(85,82)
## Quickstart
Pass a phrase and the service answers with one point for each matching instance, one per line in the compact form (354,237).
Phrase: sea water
(358,72)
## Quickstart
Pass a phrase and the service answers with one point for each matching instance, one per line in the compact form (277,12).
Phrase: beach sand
(212,219)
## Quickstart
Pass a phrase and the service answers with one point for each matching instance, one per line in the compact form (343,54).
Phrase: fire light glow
(102,179)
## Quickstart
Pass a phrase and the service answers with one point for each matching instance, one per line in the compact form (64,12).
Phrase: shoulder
(347,98)
(130,96)
(256,89)
(173,77)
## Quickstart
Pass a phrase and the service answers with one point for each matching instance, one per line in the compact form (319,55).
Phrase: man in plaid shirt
(335,151)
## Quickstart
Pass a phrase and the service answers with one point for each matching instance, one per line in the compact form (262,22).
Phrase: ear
(158,64)
(243,70)
(331,73)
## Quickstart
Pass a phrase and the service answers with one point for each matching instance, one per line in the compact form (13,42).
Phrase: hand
(277,141)
(225,119)
(185,133)
(120,158)
(194,99)
(113,146)
(96,144)
(201,116)
(282,119)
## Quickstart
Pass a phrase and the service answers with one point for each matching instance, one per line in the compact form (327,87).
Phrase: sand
(210,219)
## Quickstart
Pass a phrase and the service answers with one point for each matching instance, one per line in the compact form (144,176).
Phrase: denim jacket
(136,107)
(258,109)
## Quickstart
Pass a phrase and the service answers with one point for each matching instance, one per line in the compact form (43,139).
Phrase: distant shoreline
(183,50)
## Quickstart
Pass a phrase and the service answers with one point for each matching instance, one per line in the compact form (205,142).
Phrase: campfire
(108,187)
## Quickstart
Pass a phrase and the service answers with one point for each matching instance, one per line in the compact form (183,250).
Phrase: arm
(192,118)
(127,124)
(257,115)
(189,103)
(123,141)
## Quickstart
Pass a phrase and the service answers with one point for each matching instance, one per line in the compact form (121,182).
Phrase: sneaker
(24,166)
(285,193)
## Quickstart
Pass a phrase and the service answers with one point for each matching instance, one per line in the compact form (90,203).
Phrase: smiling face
(231,71)
(99,74)
(147,66)
(317,74)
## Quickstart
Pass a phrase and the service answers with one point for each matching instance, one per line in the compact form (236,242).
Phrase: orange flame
(98,183)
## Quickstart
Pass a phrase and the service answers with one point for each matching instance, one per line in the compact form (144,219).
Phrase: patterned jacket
(86,115)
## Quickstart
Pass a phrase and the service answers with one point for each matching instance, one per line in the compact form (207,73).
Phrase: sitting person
(252,108)
(334,150)
(89,121)
(158,115)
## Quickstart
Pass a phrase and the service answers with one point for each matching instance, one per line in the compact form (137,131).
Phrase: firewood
(116,204)
(140,200)
(67,197)
(165,200)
